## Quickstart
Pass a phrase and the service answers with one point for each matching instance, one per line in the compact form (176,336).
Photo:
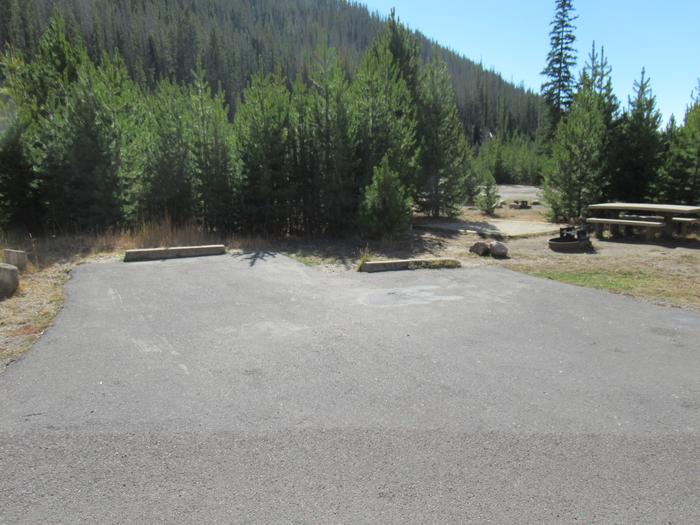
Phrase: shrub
(385,209)
(488,197)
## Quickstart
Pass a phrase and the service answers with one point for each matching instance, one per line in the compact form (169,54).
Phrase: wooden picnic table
(666,216)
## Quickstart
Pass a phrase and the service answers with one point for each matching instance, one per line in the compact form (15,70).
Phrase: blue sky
(512,37)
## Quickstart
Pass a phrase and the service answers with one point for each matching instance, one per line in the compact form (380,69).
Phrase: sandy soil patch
(25,316)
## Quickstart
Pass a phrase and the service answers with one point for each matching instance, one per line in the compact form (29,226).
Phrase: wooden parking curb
(408,264)
(177,252)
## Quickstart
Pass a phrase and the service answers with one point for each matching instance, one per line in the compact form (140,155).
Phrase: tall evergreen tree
(214,180)
(444,151)
(637,154)
(576,178)
(168,171)
(68,110)
(20,202)
(262,127)
(304,164)
(598,71)
(383,116)
(77,150)
(679,178)
(559,85)
(330,113)
(405,53)
(11,30)
(597,74)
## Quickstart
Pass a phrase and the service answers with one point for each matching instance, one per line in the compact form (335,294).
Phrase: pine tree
(304,163)
(405,54)
(559,85)
(679,178)
(383,116)
(20,203)
(637,153)
(444,151)
(385,210)
(488,197)
(186,47)
(576,179)
(330,114)
(168,170)
(31,34)
(262,131)
(214,180)
(38,85)
(597,73)
(77,150)
(11,30)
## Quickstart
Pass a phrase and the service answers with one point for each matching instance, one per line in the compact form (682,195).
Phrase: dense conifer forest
(234,39)
(603,150)
(302,117)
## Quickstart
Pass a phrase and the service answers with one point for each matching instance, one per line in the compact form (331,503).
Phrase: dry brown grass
(25,316)
(662,272)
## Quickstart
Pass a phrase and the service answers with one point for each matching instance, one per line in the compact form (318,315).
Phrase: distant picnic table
(666,218)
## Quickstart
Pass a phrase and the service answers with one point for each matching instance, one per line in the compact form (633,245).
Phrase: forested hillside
(92,147)
(301,117)
(160,39)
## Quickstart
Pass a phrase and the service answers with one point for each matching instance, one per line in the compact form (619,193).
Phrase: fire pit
(572,239)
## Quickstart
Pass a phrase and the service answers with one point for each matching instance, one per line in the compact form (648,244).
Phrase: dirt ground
(25,316)
(511,192)
(534,214)
(666,273)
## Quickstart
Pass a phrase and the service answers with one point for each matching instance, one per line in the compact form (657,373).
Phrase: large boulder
(498,250)
(16,258)
(9,280)
(480,248)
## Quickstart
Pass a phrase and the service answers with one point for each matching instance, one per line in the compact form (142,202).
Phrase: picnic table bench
(628,215)
(684,223)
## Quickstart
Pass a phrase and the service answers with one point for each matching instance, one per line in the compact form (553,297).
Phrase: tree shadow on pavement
(256,256)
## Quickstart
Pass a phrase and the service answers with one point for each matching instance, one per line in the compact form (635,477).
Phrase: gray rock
(16,258)
(9,280)
(480,248)
(498,249)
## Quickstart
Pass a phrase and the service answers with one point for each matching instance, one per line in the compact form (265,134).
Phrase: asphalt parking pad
(253,388)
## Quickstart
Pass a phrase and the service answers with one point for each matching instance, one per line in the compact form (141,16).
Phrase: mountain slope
(234,38)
